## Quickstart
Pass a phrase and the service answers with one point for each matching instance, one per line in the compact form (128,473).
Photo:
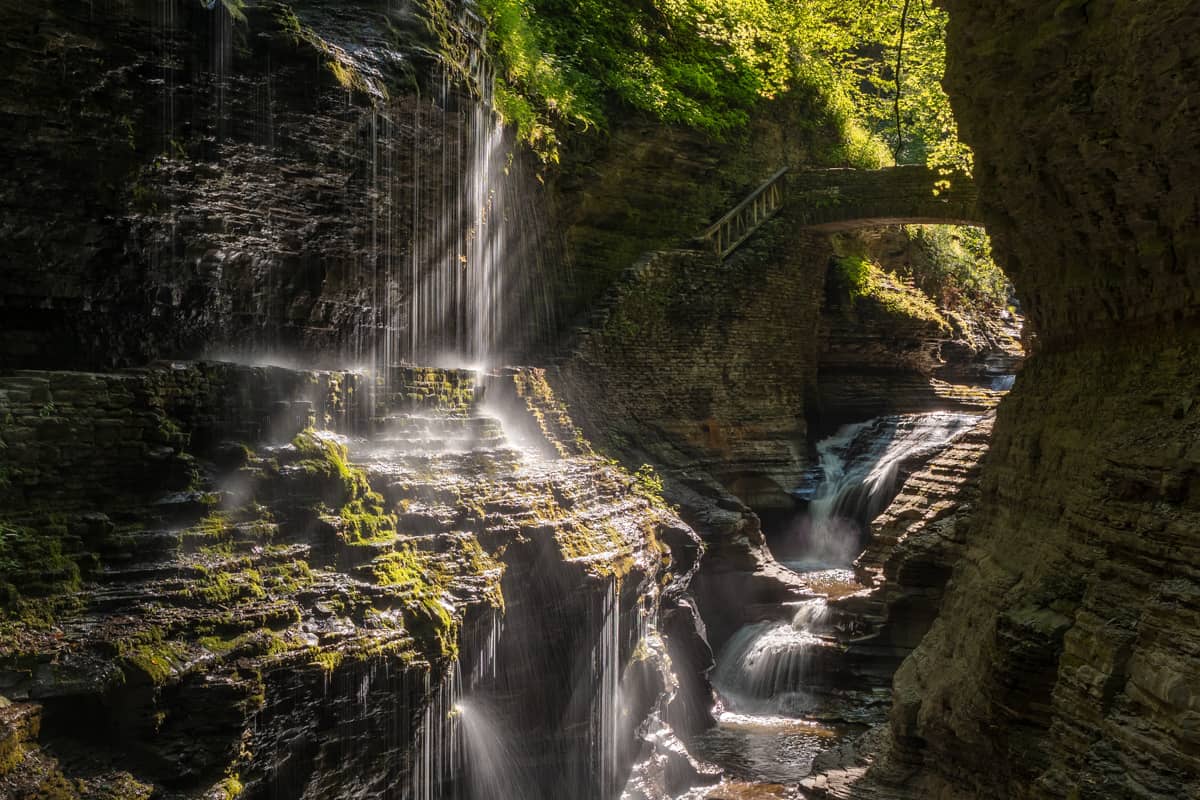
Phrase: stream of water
(775,678)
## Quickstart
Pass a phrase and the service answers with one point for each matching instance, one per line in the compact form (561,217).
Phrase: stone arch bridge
(841,199)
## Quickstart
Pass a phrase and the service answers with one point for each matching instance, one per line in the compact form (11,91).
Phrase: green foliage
(649,484)
(864,278)
(231,787)
(705,64)
(956,267)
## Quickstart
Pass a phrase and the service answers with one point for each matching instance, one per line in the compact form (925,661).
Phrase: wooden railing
(728,233)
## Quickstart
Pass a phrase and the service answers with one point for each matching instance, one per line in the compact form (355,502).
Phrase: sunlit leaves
(706,63)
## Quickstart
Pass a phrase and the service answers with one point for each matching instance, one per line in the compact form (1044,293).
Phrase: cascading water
(456,736)
(458,266)
(859,466)
(607,673)
(770,675)
(765,663)
(436,756)
(490,755)
(762,677)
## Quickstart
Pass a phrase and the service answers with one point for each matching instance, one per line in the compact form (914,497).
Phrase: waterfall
(786,667)
(769,678)
(456,734)
(859,466)
(490,755)
(606,715)
(458,265)
(436,757)
(762,663)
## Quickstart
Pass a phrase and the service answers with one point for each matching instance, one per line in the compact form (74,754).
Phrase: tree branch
(899,64)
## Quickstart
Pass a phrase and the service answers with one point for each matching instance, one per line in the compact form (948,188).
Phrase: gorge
(376,420)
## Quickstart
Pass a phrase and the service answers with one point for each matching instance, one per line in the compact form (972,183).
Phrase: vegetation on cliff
(873,65)
(930,269)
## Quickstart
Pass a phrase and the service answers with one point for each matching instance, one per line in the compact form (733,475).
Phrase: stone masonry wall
(697,364)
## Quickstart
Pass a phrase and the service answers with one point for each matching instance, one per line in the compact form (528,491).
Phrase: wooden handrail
(728,233)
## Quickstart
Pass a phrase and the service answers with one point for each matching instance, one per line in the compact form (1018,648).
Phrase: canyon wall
(1064,663)
(299,180)
(186,182)
(199,596)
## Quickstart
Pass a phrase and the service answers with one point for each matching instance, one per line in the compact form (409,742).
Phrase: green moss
(287,579)
(150,654)
(328,458)
(11,754)
(422,587)
(364,521)
(227,584)
(41,566)
(603,548)
(252,643)
(328,660)
(362,512)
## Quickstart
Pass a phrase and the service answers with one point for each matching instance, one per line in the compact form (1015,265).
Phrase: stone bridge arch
(841,199)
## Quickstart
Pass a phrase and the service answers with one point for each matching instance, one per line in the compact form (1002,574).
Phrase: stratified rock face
(914,546)
(1064,663)
(202,595)
(184,183)
(1085,134)
(695,363)
(704,369)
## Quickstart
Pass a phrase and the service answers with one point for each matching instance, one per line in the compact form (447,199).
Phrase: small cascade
(859,465)
(771,676)
(436,757)
(459,263)
(762,664)
(765,678)
(606,671)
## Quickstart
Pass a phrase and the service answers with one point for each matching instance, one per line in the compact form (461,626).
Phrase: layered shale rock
(894,348)
(910,555)
(1063,662)
(703,369)
(185,182)
(235,603)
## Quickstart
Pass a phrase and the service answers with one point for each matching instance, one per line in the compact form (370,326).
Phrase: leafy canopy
(706,63)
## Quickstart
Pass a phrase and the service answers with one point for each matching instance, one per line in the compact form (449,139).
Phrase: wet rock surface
(295,619)
(185,183)
(1050,672)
